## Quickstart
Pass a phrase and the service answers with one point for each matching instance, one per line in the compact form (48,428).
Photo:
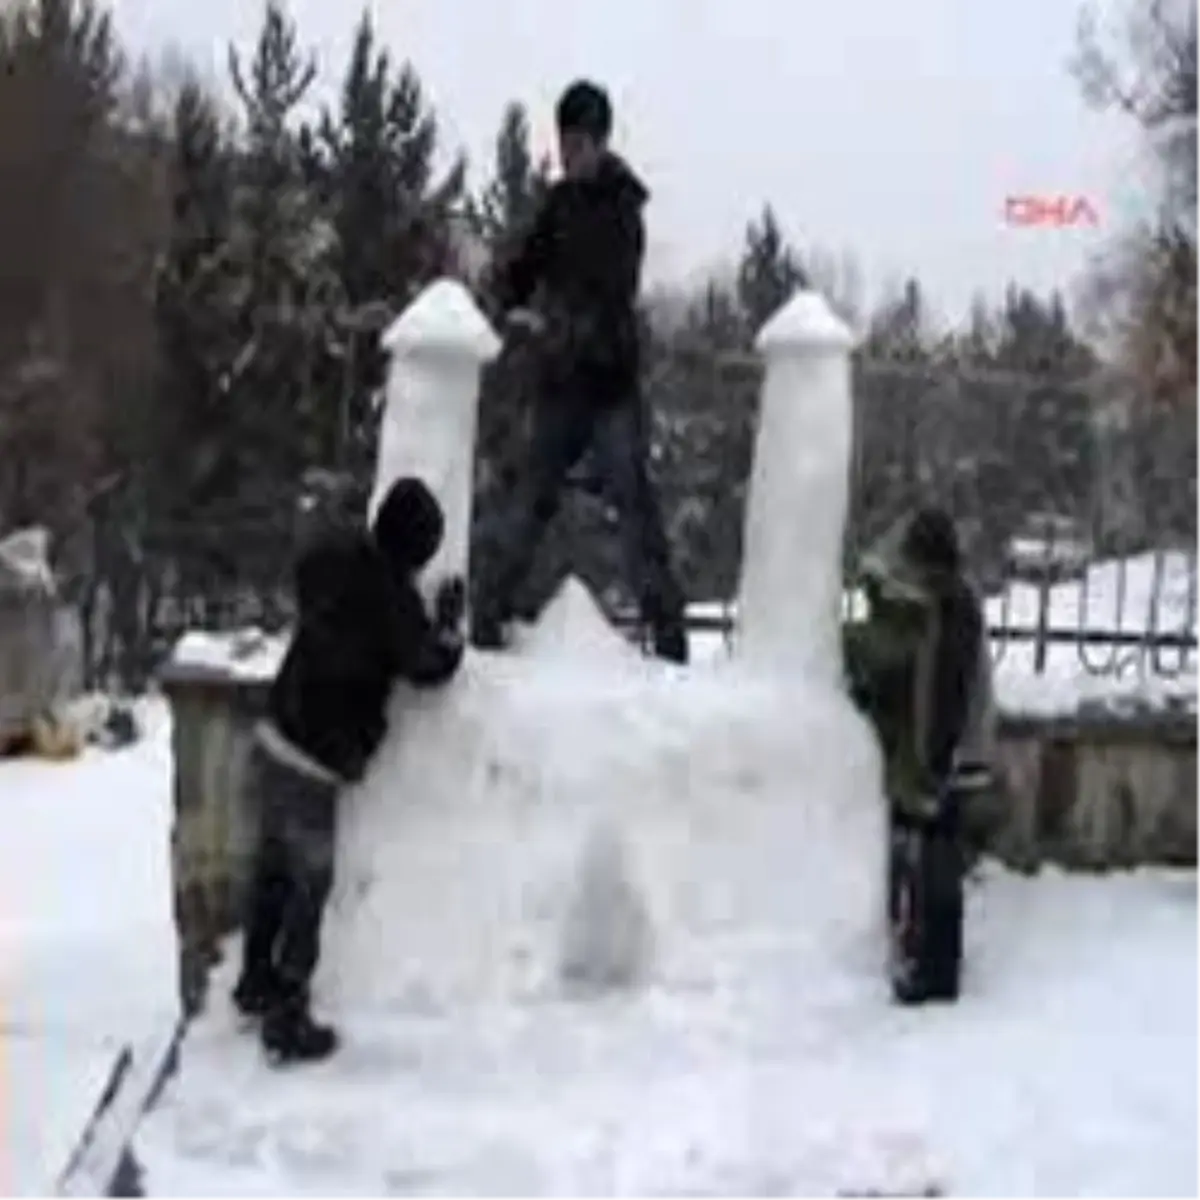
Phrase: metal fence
(1077,513)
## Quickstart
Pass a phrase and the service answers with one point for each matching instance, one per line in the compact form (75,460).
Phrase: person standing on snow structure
(919,667)
(362,625)
(573,284)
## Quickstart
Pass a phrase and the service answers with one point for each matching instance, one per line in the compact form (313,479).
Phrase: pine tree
(283,246)
(371,163)
(1155,79)
(195,312)
(420,243)
(501,215)
(977,344)
(75,235)
(1035,335)
(518,184)
(899,327)
(770,271)
(357,171)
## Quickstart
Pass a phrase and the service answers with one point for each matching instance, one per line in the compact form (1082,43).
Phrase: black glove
(450,603)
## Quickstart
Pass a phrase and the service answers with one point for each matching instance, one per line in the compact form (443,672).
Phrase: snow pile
(25,562)
(245,654)
(575,634)
(742,802)
(606,941)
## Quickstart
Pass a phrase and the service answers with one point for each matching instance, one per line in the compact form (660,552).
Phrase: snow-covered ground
(1068,1068)
(88,957)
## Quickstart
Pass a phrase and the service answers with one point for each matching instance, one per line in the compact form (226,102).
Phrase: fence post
(1043,623)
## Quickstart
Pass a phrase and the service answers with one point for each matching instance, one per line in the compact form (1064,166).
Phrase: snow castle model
(571,814)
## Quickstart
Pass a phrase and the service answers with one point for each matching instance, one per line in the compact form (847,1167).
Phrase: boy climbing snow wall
(362,625)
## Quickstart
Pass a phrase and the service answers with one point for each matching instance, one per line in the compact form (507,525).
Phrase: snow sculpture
(697,853)
(572,816)
(438,347)
(606,934)
(791,593)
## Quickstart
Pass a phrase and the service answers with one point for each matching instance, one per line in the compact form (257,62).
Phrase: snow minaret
(438,347)
(799,490)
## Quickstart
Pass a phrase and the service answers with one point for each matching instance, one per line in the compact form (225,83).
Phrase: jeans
(925,904)
(564,431)
(292,874)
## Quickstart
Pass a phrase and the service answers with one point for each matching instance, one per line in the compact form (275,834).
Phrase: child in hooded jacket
(362,625)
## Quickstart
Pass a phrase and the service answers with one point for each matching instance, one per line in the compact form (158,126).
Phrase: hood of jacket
(615,177)
(887,566)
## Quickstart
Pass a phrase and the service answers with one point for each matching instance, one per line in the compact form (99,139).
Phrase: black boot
(670,643)
(491,625)
(290,1035)
(663,615)
(257,993)
(488,632)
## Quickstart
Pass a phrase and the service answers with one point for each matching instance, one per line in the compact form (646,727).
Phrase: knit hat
(409,526)
(585,107)
(932,541)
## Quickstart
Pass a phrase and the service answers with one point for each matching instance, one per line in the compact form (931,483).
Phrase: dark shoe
(290,1035)
(255,995)
(488,632)
(909,994)
(670,643)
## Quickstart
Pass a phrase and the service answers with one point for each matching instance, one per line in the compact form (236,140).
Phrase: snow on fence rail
(1123,617)
(1049,662)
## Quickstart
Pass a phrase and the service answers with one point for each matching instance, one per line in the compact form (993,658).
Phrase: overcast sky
(890,128)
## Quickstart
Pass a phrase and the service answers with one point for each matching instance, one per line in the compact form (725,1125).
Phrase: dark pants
(291,877)
(564,431)
(925,905)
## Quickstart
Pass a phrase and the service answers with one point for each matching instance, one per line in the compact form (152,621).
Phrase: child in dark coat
(362,625)
(919,668)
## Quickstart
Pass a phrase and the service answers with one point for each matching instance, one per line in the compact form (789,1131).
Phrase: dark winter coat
(362,625)
(580,268)
(918,667)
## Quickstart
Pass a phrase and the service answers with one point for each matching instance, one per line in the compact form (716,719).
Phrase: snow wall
(571,815)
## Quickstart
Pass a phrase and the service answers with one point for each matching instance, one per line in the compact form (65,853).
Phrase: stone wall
(1098,790)
(1095,792)
(213,717)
